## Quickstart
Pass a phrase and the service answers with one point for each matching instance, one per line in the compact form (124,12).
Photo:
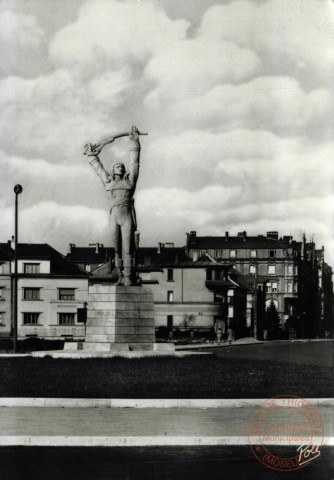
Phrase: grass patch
(161,377)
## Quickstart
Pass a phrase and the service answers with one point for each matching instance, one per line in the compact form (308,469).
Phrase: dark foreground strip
(149,463)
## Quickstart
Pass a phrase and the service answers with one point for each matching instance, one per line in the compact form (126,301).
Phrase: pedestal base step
(120,347)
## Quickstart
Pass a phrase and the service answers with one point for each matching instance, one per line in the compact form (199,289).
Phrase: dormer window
(31,268)
(272,253)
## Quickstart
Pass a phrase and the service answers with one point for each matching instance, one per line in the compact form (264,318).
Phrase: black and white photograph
(166,239)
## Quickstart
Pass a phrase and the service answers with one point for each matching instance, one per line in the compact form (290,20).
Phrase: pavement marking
(143,403)
(133,441)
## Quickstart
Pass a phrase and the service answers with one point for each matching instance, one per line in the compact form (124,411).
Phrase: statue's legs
(122,230)
(116,240)
(127,232)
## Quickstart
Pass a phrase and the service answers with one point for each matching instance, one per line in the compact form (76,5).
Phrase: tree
(188,321)
(272,320)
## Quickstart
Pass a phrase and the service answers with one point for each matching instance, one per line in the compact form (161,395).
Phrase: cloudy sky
(237,97)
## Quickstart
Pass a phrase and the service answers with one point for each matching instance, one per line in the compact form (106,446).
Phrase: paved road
(171,422)
(149,462)
(313,353)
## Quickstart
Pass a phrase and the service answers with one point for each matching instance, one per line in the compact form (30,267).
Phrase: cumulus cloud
(275,103)
(54,115)
(110,32)
(192,67)
(21,44)
(51,222)
(294,36)
(238,106)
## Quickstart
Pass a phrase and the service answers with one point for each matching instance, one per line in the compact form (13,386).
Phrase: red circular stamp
(285,433)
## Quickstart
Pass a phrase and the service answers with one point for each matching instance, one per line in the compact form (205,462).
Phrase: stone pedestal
(119,318)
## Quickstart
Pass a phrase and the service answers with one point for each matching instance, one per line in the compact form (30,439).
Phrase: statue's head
(117,169)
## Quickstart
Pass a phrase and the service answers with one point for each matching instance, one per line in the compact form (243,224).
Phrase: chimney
(192,237)
(243,235)
(272,235)
(12,242)
(160,247)
(71,246)
(226,236)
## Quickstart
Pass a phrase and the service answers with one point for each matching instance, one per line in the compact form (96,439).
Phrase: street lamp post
(17,189)
(255,304)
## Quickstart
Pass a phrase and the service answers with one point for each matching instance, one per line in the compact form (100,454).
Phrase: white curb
(130,441)
(143,403)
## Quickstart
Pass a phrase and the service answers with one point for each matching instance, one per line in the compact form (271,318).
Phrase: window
(289,287)
(30,318)
(66,294)
(31,293)
(169,296)
(272,253)
(271,269)
(271,287)
(290,269)
(252,269)
(295,270)
(170,276)
(202,253)
(31,268)
(209,274)
(169,322)
(218,253)
(230,312)
(87,267)
(233,253)
(2,317)
(66,318)
(253,253)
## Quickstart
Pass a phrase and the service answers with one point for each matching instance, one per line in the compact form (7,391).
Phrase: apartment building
(286,270)
(52,292)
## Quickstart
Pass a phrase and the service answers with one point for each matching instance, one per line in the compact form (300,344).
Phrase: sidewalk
(102,427)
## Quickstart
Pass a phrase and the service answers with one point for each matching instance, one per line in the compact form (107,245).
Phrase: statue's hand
(90,151)
(134,133)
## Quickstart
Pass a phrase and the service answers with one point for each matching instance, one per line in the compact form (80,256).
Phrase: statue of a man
(120,186)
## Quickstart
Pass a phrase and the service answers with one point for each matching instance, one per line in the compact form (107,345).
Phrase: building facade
(199,295)
(5,291)
(284,269)
(52,293)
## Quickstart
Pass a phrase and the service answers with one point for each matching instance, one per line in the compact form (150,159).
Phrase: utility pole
(17,189)
(255,302)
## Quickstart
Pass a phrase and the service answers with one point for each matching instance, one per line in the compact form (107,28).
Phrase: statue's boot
(119,270)
(127,270)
